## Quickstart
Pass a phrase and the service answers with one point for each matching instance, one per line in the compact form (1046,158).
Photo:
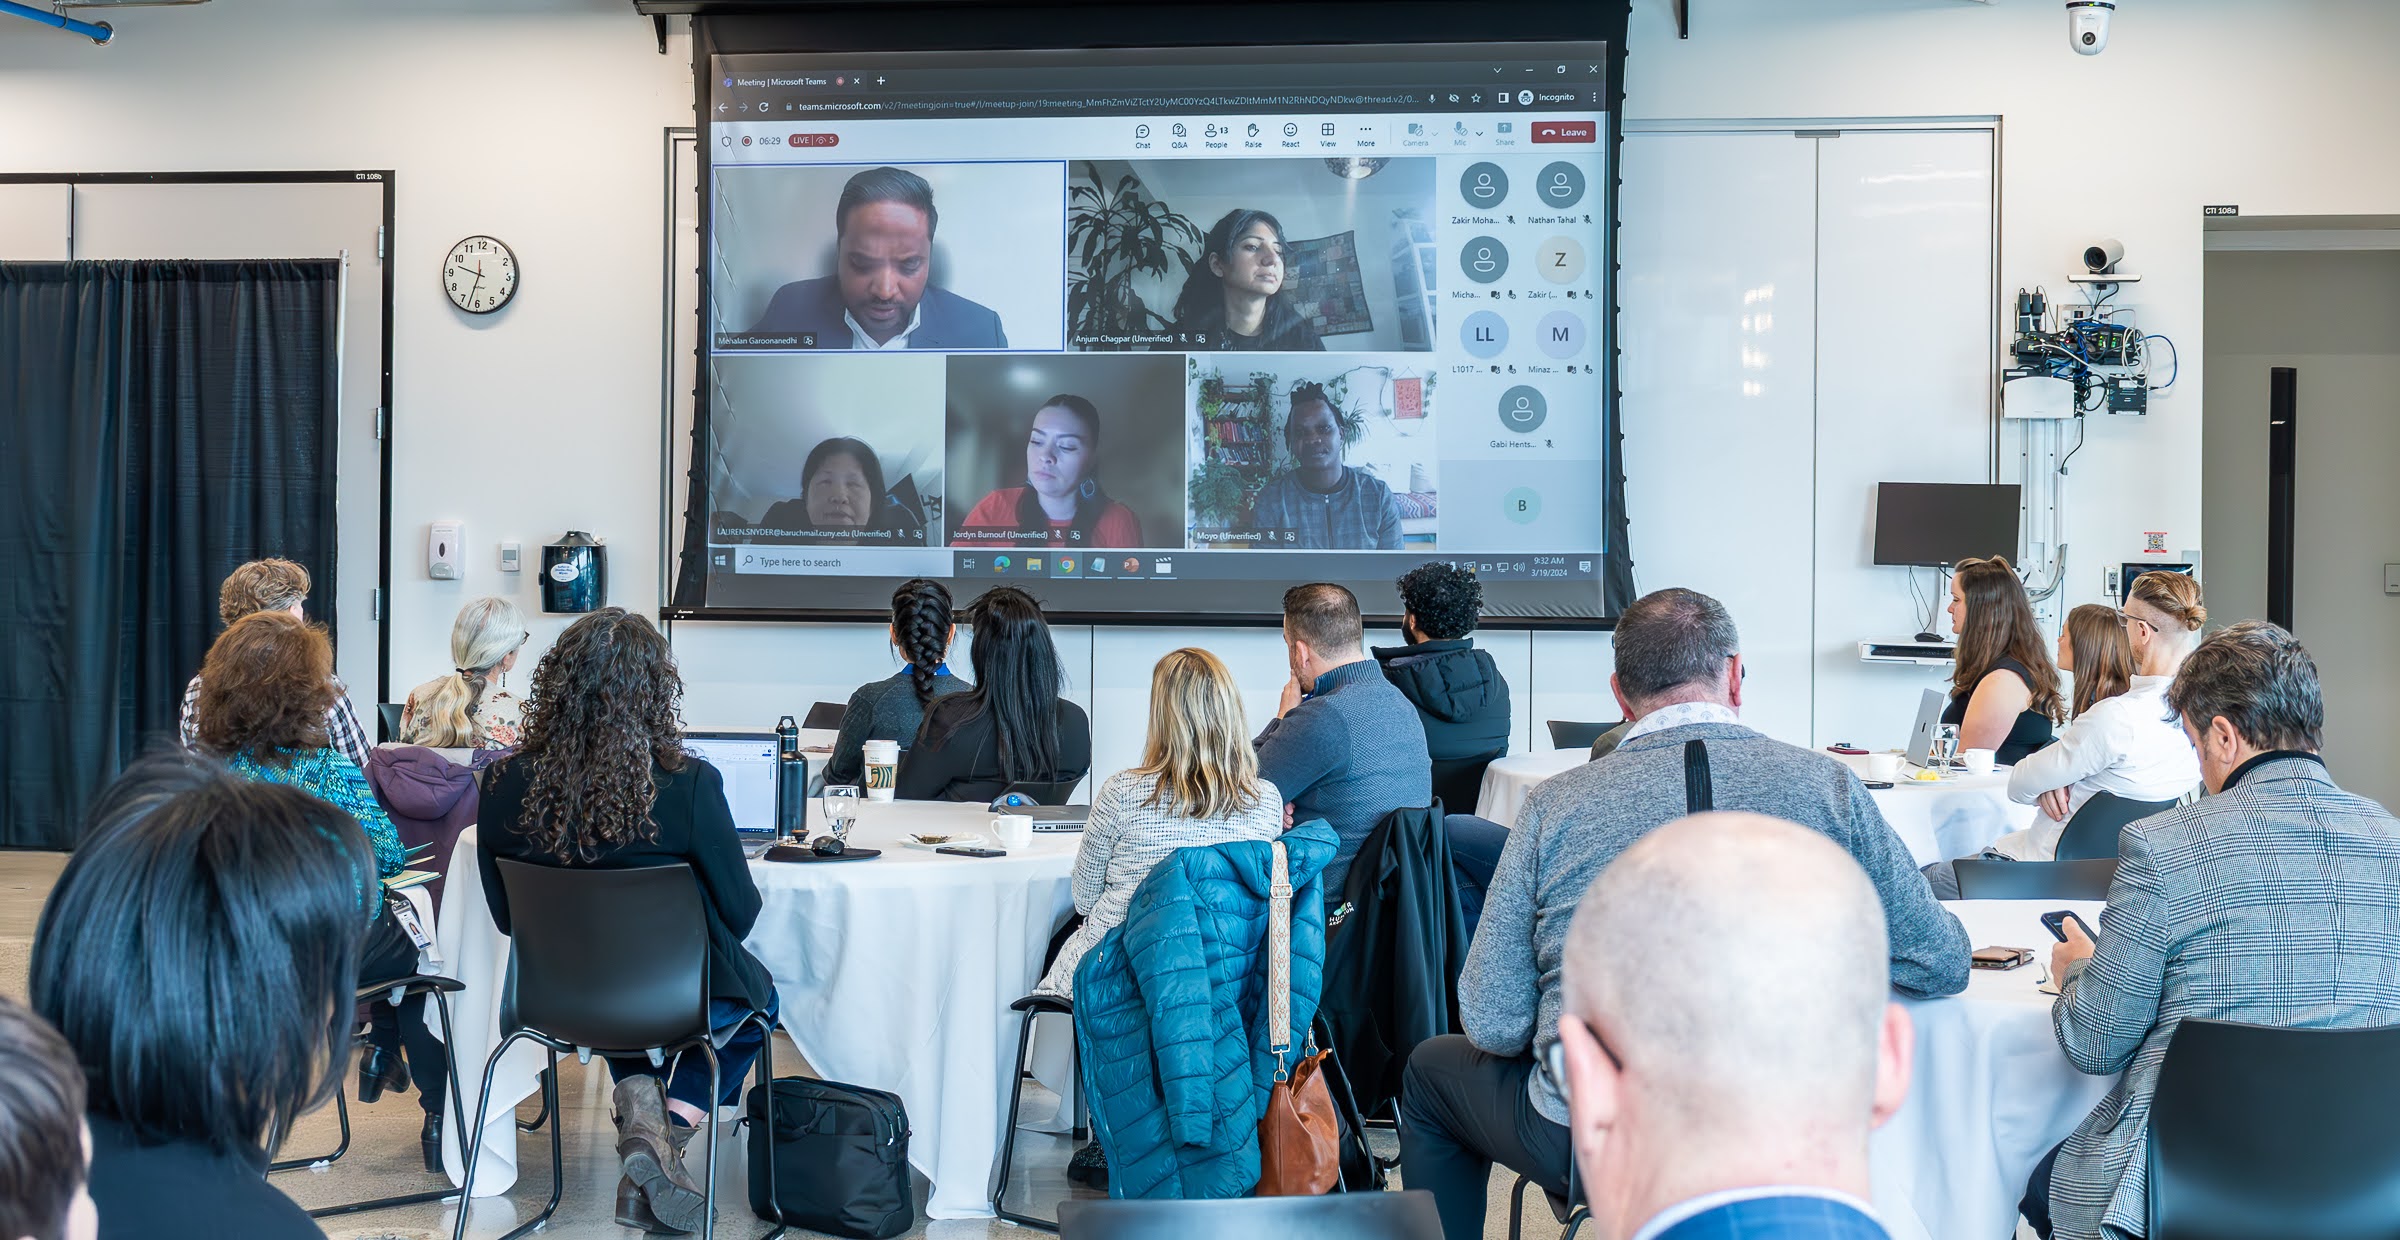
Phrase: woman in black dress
(2004,696)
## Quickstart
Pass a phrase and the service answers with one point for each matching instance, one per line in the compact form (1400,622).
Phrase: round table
(1990,1094)
(1938,820)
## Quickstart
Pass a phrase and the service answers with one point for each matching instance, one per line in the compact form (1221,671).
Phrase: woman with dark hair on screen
(1061,503)
(1232,298)
(841,488)
(892,708)
(1012,727)
(602,782)
(2004,696)
(199,953)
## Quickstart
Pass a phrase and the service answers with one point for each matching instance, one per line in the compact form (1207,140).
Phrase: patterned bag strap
(1279,959)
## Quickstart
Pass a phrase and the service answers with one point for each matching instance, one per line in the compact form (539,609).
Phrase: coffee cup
(883,769)
(1883,768)
(1977,761)
(1015,830)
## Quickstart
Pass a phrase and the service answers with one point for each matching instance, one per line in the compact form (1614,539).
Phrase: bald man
(1729,1038)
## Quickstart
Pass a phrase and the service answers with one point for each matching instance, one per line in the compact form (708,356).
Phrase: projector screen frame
(941,27)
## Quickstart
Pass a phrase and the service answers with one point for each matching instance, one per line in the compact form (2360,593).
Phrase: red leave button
(1564,131)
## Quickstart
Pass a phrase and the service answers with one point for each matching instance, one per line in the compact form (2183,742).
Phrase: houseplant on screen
(1119,235)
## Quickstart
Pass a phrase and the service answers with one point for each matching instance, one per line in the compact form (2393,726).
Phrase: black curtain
(160,423)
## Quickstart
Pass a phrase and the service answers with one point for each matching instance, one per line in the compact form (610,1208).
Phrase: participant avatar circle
(1561,260)
(1484,260)
(1523,408)
(1483,185)
(1560,334)
(1560,186)
(1522,505)
(1484,334)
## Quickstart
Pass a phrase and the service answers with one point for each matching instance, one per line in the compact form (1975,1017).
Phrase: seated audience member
(1344,745)
(1012,726)
(2123,740)
(464,710)
(262,709)
(878,296)
(1320,503)
(1460,696)
(1061,503)
(893,708)
(1679,676)
(2004,696)
(2265,903)
(602,782)
(45,1150)
(1232,299)
(199,953)
(276,585)
(841,489)
(1713,1089)
(1606,743)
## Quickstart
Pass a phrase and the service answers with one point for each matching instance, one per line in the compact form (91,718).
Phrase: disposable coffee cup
(1977,761)
(1015,830)
(1883,768)
(883,769)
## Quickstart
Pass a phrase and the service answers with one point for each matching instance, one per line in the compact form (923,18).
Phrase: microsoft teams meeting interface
(1190,318)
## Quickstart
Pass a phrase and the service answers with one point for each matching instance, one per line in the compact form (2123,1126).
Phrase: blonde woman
(467,709)
(1197,785)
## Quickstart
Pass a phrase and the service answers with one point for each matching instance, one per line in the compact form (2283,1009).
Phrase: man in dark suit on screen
(878,296)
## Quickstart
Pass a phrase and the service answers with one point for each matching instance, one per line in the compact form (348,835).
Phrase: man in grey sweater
(1467,1102)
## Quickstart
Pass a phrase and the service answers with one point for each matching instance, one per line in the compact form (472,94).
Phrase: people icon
(1484,188)
(1483,260)
(1559,186)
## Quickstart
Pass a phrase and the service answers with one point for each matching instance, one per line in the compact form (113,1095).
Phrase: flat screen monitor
(1156,332)
(752,769)
(1937,524)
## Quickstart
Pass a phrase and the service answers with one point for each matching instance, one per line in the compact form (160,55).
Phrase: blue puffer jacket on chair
(1170,1015)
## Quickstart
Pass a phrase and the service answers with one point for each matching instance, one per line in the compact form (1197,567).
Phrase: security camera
(2087,25)
(2102,258)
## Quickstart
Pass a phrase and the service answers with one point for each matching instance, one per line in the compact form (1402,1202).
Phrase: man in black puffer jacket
(1462,701)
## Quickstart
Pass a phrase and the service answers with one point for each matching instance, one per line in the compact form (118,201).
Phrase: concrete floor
(384,1159)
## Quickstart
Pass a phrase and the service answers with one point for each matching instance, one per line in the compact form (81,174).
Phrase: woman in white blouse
(2123,739)
(1197,785)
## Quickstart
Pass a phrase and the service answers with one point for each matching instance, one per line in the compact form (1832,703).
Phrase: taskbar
(1002,563)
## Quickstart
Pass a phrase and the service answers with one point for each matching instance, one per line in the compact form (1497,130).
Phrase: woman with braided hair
(891,709)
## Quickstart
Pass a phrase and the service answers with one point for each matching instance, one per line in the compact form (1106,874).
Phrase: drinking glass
(841,809)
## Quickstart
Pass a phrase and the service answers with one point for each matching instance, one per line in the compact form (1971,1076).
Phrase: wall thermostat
(445,559)
(512,557)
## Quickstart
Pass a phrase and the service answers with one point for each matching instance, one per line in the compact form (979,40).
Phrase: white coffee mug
(883,768)
(1883,768)
(1977,761)
(1014,830)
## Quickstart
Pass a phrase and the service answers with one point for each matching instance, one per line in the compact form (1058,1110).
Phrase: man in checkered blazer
(2274,901)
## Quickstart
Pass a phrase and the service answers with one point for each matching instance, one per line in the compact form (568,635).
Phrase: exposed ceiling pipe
(97,32)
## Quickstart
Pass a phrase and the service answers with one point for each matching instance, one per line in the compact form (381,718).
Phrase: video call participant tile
(1263,255)
(861,258)
(1521,506)
(1314,454)
(827,451)
(1072,451)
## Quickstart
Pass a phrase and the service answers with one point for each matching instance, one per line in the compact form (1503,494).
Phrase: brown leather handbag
(1299,1138)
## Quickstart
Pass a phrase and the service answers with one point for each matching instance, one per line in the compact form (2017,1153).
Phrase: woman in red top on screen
(1061,503)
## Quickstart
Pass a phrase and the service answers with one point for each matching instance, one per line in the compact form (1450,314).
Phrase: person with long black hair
(1232,298)
(892,708)
(199,953)
(601,781)
(1012,727)
(1061,503)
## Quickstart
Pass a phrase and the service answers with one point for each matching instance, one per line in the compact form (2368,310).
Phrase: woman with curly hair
(264,693)
(600,780)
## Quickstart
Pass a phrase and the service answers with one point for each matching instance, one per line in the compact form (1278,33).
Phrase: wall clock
(480,274)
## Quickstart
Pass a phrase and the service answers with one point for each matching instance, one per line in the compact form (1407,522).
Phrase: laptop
(1928,728)
(1058,817)
(753,771)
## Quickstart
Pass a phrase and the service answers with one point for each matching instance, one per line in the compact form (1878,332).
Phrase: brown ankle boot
(633,1210)
(652,1159)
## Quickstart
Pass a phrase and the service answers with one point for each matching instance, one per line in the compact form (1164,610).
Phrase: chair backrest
(1407,1215)
(388,714)
(2257,1131)
(1566,735)
(608,959)
(2034,880)
(1042,793)
(824,715)
(1458,782)
(2091,834)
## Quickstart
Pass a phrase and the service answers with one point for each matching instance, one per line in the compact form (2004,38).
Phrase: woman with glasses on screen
(1061,503)
(1232,299)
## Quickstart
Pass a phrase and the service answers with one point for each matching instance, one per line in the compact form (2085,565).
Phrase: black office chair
(441,988)
(824,715)
(2256,1131)
(609,962)
(1979,879)
(2091,832)
(1032,1006)
(1569,1212)
(1041,793)
(387,714)
(1458,782)
(1407,1215)
(1565,735)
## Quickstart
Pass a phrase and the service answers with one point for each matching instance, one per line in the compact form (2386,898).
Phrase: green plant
(1117,235)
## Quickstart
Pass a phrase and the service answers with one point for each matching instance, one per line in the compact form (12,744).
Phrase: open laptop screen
(753,774)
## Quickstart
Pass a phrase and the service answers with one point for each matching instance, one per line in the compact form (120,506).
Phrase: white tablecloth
(476,953)
(1955,817)
(1991,1094)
